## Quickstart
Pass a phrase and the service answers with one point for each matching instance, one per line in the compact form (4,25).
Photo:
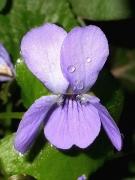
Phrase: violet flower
(6,66)
(68,64)
(83,177)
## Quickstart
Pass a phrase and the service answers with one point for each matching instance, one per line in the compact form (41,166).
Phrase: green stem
(81,21)
(12,115)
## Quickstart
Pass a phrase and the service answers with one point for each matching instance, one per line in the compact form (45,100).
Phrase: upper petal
(73,124)
(83,54)
(40,49)
(110,126)
(31,121)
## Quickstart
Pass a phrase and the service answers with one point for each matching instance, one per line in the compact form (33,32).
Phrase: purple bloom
(6,67)
(68,64)
(83,177)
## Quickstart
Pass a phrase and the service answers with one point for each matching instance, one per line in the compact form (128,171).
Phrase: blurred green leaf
(2,4)
(26,14)
(123,67)
(102,9)
(31,87)
(10,115)
(5,92)
(6,104)
(44,162)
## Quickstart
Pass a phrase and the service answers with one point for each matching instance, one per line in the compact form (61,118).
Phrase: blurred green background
(115,87)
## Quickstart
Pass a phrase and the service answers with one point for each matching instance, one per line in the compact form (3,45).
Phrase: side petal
(31,121)
(40,49)
(83,54)
(110,127)
(73,124)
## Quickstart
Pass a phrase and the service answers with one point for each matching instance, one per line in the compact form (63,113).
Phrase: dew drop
(74,88)
(71,69)
(88,60)
(79,85)
(18,60)
(20,154)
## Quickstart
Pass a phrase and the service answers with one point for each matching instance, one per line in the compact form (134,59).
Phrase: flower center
(82,98)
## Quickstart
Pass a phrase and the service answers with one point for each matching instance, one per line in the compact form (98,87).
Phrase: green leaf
(26,14)
(31,87)
(2,4)
(45,162)
(102,9)
(123,67)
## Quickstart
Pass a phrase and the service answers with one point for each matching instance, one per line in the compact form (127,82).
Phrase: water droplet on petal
(79,85)
(88,60)
(71,69)
(74,88)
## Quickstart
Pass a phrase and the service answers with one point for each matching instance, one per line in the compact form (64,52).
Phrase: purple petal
(57,129)
(83,177)
(73,124)
(6,67)
(4,55)
(110,127)
(40,49)
(31,121)
(83,54)
(86,126)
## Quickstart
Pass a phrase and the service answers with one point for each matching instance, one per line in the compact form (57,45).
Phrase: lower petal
(57,129)
(85,124)
(110,127)
(31,121)
(73,124)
